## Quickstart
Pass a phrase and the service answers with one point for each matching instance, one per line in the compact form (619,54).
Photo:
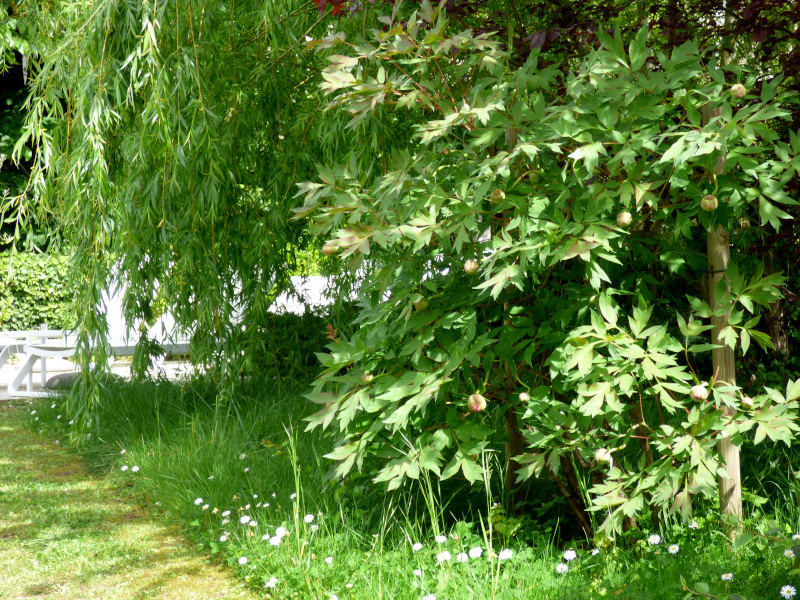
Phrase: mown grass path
(66,533)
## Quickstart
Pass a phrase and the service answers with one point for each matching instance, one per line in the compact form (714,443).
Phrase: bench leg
(25,372)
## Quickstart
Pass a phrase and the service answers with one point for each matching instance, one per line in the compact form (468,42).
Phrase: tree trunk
(730,487)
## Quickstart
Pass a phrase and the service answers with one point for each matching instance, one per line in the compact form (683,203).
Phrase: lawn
(249,487)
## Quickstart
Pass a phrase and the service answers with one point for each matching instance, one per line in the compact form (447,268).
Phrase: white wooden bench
(37,345)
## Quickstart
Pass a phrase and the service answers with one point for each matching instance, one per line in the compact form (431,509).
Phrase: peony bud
(524,397)
(709,202)
(329,249)
(747,402)
(421,304)
(738,90)
(470,266)
(624,218)
(476,402)
(366,377)
(602,455)
(498,195)
(700,391)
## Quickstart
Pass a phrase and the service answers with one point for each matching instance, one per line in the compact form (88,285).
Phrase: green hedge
(34,289)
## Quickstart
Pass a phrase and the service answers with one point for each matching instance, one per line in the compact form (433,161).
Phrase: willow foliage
(169,135)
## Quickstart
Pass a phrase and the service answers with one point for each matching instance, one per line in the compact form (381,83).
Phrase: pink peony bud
(738,90)
(709,202)
(747,402)
(476,402)
(470,266)
(366,377)
(498,195)
(699,392)
(602,455)
(524,397)
(624,218)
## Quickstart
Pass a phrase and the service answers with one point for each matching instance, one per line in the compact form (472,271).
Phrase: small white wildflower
(694,525)
(443,556)
(247,507)
(462,557)
(292,496)
(242,560)
(281,532)
(429,597)
(135,469)
(223,538)
(595,551)
(788,553)
(416,546)
(570,555)
(328,560)
(673,549)
(214,511)
(244,519)
(475,552)
(505,554)
(309,518)
(726,576)
(562,568)
(654,539)
(247,469)
(796,537)
(418,572)
(224,522)
(33,412)
(788,591)
(274,494)
(242,456)
(334,597)
(53,405)
(198,501)
(125,468)
(273,581)
(253,523)
(205,507)
(309,38)
(314,527)
(210,477)
(440,539)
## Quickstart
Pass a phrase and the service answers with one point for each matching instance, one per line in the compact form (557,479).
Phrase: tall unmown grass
(249,485)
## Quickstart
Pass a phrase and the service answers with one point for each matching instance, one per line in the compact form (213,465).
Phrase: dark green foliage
(35,289)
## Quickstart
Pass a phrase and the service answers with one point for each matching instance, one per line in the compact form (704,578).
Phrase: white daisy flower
(562,568)
(570,555)
(443,556)
(275,540)
(673,549)
(314,527)
(462,557)
(505,554)
(242,560)
(125,468)
(788,591)
(198,501)
(225,522)
(309,518)
(788,553)
(796,537)
(694,525)
(654,539)
(416,546)
(440,539)
(226,513)
(475,552)
(135,469)
(273,581)
(726,576)
(205,507)
(245,519)
(223,538)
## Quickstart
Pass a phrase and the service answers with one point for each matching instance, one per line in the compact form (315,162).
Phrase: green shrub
(35,289)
